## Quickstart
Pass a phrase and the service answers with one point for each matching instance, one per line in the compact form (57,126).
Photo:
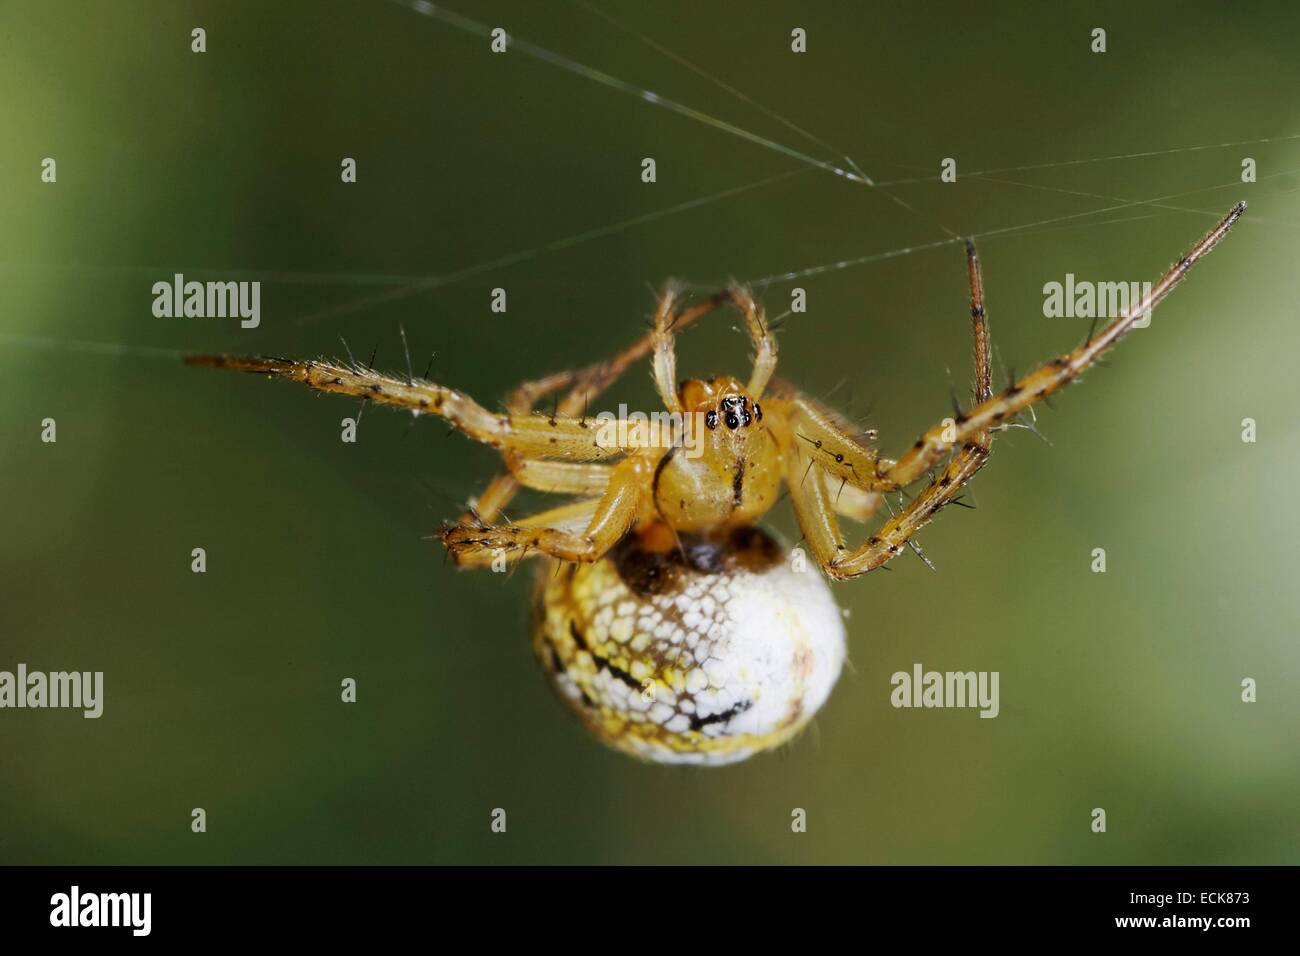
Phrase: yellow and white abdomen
(705,653)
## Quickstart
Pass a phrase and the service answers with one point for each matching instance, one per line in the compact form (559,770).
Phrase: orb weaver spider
(676,629)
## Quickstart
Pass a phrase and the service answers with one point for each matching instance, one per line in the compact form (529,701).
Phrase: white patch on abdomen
(736,661)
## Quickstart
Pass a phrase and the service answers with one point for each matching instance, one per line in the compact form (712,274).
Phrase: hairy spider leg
(584,385)
(969,434)
(539,436)
(668,319)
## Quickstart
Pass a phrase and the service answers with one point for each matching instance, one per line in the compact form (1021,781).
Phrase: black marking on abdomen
(722,716)
(605,664)
(602,663)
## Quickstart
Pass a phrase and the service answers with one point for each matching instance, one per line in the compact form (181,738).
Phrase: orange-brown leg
(969,434)
(605,521)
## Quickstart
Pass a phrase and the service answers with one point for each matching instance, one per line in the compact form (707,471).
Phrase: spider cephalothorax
(725,469)
(677,630)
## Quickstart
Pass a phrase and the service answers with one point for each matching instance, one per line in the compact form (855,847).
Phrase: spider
(677,629)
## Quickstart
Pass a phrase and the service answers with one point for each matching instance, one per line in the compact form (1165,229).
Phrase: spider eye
(711,419)
(758,413)
(732,421)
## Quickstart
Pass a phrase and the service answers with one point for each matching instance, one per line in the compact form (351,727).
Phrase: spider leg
(668,318)
(973,437)
(837,445)
(541,436)
(815,506)
(943,489)
(471,552)
(502,489)
(560,477)
(844,460)
(607,520)
(761,336)
(854,503)
(542,474)
(584,385)
(1050,377)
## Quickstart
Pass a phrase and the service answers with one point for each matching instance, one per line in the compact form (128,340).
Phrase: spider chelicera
(675,628)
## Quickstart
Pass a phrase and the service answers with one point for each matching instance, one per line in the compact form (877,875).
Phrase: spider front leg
(1044,381)
(835,443)
(538,436)
(584,386)
(813,500)
(969,434)
(669,319)
(600,523)
(838,447)
(590,382)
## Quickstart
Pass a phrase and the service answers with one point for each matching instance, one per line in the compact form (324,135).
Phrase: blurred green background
(1118,690)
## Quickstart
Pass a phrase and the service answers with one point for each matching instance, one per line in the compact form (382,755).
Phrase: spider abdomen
(705,653)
